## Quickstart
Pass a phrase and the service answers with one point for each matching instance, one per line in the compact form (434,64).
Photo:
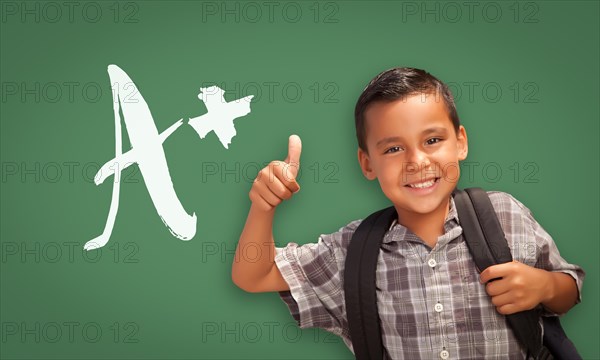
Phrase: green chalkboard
(525,76)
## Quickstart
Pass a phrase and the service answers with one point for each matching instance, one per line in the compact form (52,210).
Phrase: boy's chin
(425,209)
(424,206)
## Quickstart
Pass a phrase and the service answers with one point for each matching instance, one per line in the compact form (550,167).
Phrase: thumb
(294,150)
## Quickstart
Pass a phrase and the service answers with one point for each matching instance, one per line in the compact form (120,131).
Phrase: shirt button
(444,354)
(432,262)
(438,307)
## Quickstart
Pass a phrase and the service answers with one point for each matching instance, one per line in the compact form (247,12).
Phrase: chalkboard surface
(524,74)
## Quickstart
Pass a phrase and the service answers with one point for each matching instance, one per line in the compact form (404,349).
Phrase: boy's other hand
(277,181)
(516,286)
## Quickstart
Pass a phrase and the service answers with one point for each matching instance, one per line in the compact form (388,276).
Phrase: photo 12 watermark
(318,92)
(490,12)
(70,12)
(70,332)
(270,12)
(55,172)
(492,92)
(67,252)
(236,172)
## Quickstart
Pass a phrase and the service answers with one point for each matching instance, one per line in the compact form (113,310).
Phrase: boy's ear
(463,144)
(365,164)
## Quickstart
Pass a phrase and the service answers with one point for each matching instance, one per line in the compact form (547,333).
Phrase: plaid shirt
(431,304)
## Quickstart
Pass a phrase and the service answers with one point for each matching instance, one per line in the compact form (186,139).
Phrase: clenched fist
(517,286)
(277,181)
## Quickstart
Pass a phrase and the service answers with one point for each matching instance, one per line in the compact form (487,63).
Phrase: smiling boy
(432,302)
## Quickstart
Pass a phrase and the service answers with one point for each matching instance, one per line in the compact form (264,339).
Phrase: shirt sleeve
(314,274)
(547,255)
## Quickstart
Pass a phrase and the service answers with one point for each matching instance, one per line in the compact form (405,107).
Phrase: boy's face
(412,141)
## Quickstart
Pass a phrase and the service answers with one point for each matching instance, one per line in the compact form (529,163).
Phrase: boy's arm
(254,268)
(523,287)
(546,278)
(562,292)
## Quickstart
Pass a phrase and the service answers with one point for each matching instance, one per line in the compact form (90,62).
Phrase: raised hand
(277,181)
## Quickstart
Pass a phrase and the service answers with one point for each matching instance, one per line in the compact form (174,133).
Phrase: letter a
(148,153)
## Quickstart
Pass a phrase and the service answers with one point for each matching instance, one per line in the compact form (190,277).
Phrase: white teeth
(423,185)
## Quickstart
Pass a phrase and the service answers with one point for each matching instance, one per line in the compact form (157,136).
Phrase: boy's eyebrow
(389,139)
(435,129)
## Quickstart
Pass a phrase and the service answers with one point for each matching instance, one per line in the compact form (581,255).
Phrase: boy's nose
(417,160)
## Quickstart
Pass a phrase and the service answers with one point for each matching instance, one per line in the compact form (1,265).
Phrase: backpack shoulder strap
(360,284)
(482,231)
(488,246)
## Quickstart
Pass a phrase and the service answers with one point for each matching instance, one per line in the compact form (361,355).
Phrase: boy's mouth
(425,184)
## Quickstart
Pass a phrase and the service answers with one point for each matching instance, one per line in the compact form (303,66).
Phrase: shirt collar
(452,216)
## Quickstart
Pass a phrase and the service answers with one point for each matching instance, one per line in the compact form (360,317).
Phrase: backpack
(488,246)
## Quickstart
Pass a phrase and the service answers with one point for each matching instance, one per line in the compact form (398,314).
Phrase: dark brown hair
(399,83)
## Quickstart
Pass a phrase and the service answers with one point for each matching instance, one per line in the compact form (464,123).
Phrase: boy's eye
(393,149)
(433,141)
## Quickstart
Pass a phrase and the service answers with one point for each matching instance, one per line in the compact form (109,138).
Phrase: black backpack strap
(360,284)
(488,246)
(555,339)
(481,228)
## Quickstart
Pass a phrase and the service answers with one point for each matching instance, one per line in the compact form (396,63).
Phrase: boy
(432,301)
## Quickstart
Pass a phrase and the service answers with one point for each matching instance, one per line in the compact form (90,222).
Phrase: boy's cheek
(451,172)
(389,185)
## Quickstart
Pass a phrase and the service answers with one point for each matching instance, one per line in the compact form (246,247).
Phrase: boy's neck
(429,226)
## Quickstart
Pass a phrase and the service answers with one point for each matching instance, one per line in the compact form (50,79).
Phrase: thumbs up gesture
(277,181)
